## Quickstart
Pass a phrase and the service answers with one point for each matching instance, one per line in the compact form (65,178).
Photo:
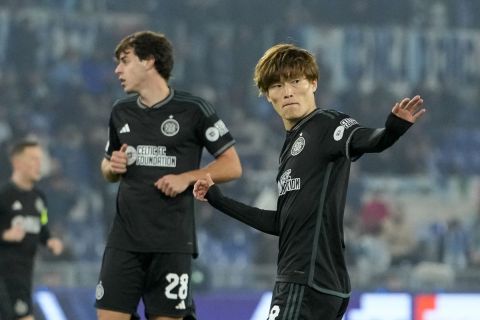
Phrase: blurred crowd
(57,84)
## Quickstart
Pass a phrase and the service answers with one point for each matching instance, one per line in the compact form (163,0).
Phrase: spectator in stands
(398,234)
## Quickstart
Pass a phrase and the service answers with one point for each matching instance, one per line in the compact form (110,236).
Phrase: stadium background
(413,212)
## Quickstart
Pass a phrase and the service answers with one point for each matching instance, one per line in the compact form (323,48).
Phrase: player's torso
(160,140)
(301,172)
(309,219)
(24,209)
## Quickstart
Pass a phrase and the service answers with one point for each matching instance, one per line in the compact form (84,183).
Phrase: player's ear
(268,97)
(149,62)
(314,85)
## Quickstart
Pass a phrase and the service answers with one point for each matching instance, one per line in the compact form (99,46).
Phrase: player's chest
(166,129)
(27,213)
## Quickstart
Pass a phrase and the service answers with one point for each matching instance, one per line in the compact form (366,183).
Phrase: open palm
(409,109)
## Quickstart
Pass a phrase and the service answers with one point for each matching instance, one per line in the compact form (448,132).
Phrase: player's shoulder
(125,102)
(336,117)
(39,192)
(195,102)
(8,191)
(332,114)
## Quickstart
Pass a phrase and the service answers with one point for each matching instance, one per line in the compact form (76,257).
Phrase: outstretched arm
(404,114)
(263,220)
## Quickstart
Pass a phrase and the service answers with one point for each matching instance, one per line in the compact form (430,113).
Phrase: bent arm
(224,168)
(107,171)
(263,220)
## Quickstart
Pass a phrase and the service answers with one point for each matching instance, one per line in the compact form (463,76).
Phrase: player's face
(29,163)
(292,99)
(130,71)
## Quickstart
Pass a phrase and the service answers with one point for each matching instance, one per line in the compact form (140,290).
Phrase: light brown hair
(282,62)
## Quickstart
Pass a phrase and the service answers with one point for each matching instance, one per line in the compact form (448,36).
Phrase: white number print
(174,280)
(274,312)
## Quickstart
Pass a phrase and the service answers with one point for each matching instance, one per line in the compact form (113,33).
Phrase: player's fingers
(197,185)
(395,108)
(158,184)
(414,103)
(404,102)
(123,148)
(118,168)
(118,156)
(419,113)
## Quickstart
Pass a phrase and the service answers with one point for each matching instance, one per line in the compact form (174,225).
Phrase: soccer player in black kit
(23,225)
(312,279)
(156,138)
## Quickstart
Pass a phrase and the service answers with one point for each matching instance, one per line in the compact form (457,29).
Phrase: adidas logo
(181,306)
(17,205)
(125,128)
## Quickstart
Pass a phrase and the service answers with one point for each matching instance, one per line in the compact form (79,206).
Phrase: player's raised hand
(409,109)
(200,188)
(118,160)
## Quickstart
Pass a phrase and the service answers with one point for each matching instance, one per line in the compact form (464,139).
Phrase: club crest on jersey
(286,183)
(170,127)
(298,146)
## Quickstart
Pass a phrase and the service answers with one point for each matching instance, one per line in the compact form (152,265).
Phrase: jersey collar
(158,104)
(301,122)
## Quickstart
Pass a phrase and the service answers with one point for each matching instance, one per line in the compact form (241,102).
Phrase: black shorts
(294,301)
(162,280)
(16,295)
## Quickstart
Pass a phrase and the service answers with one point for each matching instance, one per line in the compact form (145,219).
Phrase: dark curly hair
(148,44)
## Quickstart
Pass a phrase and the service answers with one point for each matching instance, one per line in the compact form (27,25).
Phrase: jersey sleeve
(113,142)
(370,140)
(340,132)
(213,132)
(260,219)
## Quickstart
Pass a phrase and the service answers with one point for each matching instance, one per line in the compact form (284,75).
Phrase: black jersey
(312,185)
(166,139)
(28,209)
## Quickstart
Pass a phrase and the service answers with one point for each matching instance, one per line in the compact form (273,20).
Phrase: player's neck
(21,182)
(154,91)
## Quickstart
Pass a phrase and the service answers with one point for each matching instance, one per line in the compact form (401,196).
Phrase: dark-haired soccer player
(23,225)
(156,140)
(312,279)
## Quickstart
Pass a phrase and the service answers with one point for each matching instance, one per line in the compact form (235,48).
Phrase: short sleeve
(342,129)
(113,142)
(214,133)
